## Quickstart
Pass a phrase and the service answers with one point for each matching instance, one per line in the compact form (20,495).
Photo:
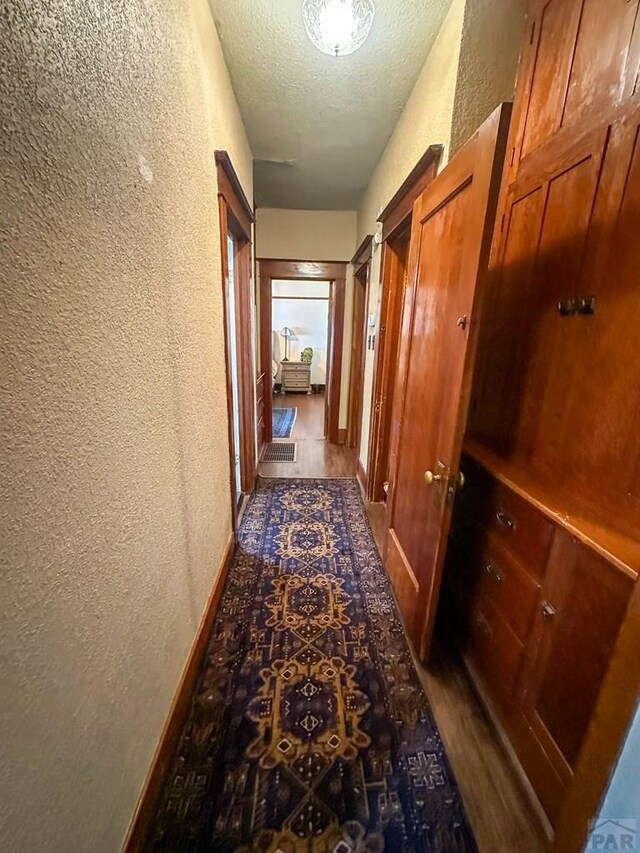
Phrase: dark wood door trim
(334,272)
(363,254)
(398,210)
(236,218)
(392,281)
(362,279)
(396,225)
(230,188)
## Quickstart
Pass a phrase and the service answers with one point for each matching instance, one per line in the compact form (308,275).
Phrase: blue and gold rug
(283,420)
(309,729)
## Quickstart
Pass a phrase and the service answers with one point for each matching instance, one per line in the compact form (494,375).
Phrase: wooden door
(394,278)
(358,334)
(451,235)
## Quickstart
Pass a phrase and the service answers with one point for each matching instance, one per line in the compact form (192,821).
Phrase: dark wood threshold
(169,739)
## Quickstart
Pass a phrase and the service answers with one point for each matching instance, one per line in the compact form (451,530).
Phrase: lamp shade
(338,27)
(286,332)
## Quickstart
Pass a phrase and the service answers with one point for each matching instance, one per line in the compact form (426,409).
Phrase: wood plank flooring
(315,456)
(502,815)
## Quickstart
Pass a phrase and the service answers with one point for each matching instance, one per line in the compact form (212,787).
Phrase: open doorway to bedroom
(300,337)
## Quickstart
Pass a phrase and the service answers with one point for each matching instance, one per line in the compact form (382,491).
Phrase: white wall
(114,477)
(314,235)
(621,803)
(308,320)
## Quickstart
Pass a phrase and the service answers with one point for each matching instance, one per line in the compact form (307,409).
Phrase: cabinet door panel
(570,646)
(601,50)
(583,63)
(601,410)
(556,29)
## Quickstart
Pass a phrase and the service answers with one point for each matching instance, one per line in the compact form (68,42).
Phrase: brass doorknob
(432,478)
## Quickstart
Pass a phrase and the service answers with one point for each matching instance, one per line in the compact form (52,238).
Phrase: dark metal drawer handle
(506,520)
(494,572)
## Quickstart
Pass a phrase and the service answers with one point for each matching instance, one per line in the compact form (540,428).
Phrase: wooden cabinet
(545,546)
(536,613)
(296,376)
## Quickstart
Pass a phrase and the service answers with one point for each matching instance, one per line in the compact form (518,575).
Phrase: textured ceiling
(328,118)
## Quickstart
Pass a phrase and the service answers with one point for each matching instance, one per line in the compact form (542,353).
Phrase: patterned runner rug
(283,421)
(309,729)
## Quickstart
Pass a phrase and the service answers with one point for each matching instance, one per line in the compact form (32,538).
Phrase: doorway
(299,299)
(300,335)
(362,265)
(236,219)
(396,221)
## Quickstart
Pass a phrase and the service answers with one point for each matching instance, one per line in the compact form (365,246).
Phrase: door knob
(432,478)
(461,480)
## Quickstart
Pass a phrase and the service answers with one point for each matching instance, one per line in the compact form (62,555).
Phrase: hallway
(308,720)
(420,219)
(309,690)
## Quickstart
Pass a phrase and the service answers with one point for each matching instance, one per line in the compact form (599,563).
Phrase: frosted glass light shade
(338,27)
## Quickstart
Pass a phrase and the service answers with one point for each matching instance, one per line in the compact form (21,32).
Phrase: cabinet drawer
(505,583)
(519,525)
(495,649)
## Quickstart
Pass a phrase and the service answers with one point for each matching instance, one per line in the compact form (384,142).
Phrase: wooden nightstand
(296,376)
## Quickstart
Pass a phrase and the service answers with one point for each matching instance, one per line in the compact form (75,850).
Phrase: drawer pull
(547,610)
(494,572)
(506,520)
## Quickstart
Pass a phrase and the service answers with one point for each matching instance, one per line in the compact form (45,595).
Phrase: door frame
(361,263)
(469,166)
(335,272)
(236,219)
(396,222)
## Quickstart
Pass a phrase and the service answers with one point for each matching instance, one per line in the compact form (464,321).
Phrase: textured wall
(425,121)
(114,478)
(313,235)
(492,34)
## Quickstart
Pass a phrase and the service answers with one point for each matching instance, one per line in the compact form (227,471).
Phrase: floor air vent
(281,451)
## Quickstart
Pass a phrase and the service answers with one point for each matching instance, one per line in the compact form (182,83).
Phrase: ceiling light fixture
(338,27)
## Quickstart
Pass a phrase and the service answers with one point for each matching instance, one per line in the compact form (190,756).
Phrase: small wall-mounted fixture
(584,305)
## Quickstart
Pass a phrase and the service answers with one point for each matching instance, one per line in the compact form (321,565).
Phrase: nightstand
(296,376)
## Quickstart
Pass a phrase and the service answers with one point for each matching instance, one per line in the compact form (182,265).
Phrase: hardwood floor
(502,815)
(315,456)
